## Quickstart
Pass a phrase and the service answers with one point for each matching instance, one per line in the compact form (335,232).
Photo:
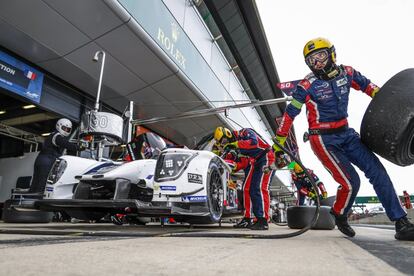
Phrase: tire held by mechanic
(388,124)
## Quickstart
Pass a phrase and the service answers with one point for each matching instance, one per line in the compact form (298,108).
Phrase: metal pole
(211,111)
(131,112)
(96,58)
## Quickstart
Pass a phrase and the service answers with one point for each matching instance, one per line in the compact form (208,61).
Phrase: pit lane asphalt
(63,249)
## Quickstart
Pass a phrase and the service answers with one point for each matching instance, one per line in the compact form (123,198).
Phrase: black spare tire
(299,217)
(388,124)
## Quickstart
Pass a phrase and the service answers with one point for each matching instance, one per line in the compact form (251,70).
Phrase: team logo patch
(311,46)
(341,82)
(323,85)
(195,178)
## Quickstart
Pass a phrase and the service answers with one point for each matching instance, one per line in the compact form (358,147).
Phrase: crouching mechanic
(304,185)
(52,148)
(325,92)
(255,158)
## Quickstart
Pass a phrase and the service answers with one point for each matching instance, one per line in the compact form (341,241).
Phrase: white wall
(190,21)
(11,169)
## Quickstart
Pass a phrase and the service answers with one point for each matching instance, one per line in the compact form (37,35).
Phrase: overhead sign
(366,199)
(372,199)
(20,78)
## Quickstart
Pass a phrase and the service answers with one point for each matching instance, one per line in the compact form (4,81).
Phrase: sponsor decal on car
(168,188)
(195,178)
(194,198)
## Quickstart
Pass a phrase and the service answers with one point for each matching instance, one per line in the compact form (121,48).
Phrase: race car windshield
(156,144)
(146,146)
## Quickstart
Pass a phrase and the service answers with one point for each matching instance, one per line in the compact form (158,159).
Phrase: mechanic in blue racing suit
(325,92)
(52,148)
(303,184)
(255,157)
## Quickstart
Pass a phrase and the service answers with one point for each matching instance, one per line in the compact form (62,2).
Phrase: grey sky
(373,36)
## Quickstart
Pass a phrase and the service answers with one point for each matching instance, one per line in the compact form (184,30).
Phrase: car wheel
(388,124)
(215,192)
(299,217)
(14,216)
(214,187)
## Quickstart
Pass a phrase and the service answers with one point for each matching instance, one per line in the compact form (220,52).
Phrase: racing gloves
(279,139)
(312,195)
(280,160)
(229,146)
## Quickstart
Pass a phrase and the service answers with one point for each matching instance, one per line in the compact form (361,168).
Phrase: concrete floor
(74,249)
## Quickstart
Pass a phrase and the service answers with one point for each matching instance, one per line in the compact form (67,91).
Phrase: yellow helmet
(321,49)
(295,167)
(318,44)
(223,135)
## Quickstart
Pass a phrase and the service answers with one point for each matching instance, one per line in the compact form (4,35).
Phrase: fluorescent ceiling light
(28,106)
(46,134)
(2,111)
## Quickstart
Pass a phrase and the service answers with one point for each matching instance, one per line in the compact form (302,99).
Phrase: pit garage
(168,57)
(31,101)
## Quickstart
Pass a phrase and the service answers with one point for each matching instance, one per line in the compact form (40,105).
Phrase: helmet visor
(318,59)
(66,129)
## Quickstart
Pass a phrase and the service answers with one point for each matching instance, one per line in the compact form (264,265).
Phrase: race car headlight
(57,170)
(171,165)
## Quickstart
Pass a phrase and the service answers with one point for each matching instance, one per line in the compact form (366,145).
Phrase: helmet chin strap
(327,74)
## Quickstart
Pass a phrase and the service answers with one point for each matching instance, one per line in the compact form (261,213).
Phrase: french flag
(29,74)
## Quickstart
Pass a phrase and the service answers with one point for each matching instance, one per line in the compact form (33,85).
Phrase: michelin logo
(168,188)
(194,198)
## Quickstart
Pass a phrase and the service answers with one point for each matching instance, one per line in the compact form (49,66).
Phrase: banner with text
(20,78)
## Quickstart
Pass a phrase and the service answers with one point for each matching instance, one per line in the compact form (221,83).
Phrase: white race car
(192,186)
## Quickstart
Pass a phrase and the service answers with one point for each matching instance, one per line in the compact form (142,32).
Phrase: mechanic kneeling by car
(255,157)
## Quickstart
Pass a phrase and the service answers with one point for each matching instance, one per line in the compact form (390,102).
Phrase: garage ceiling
(61,37)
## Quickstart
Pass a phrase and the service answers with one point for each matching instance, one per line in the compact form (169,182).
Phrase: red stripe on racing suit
(326,101)
(327,107)
(256,156)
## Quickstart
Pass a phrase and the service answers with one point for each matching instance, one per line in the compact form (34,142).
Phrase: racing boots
(404,229)
(341,222)
(260,224)
(244,223)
